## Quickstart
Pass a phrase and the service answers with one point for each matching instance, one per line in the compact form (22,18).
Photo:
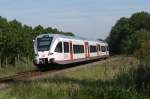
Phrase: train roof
(68,37)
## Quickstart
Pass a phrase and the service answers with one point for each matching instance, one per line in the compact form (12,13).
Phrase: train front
(42,45)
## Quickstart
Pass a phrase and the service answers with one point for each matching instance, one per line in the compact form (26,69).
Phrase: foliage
(10,70)
(143,54)
(128,33)
(16,40)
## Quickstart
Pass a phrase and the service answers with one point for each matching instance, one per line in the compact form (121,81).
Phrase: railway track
(16,76)
(24,76)
(36,74)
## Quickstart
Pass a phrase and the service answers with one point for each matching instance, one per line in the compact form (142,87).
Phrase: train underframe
(45,64)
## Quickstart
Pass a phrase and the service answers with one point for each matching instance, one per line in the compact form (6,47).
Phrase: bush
(143,54)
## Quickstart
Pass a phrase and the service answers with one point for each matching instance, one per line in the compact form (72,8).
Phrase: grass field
(114,79)
(19,67)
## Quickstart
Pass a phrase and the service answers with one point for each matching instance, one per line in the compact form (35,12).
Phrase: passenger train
(60,49)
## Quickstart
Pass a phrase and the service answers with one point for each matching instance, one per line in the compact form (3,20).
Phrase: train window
(59,47)
(99,48)
(78,49)
(93,48)
(103,48)
(66,47)
(43,43)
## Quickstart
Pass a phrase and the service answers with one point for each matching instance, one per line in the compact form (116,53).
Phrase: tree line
(130,35)
(16,40)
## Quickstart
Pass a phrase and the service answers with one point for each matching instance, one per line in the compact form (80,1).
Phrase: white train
(60,49)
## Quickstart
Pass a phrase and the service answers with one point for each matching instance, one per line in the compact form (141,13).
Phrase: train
(60,49)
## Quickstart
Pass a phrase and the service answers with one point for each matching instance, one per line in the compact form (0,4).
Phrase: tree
(118,35)
(16,40)
(143,54)
(127,33)
(140,20)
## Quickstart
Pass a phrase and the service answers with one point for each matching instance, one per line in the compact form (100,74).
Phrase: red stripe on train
(71,51)
(87,52)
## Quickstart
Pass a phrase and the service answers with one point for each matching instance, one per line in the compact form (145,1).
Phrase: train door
(107,50)
(97,47)
(59,51)
(71,51)
(66,50)
(103,50)
(87,52)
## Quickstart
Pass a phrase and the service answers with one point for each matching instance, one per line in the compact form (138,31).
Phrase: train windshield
(43,44)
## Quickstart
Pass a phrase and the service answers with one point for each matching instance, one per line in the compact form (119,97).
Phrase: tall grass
(115,79)
(13,69)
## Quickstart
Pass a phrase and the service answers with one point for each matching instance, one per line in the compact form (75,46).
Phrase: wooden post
(18,57)
(26,63)
(15,61)
(0,63)
(6,61)
(28,59)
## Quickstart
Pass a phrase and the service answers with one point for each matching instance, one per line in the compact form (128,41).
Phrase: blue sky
(86,18)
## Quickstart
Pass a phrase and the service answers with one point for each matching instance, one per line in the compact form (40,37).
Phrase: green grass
(113,79)
(19,67)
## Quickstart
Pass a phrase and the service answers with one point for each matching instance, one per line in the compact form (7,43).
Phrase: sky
(86,18)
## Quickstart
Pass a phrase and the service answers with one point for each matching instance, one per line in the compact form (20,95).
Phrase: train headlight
(50,54)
